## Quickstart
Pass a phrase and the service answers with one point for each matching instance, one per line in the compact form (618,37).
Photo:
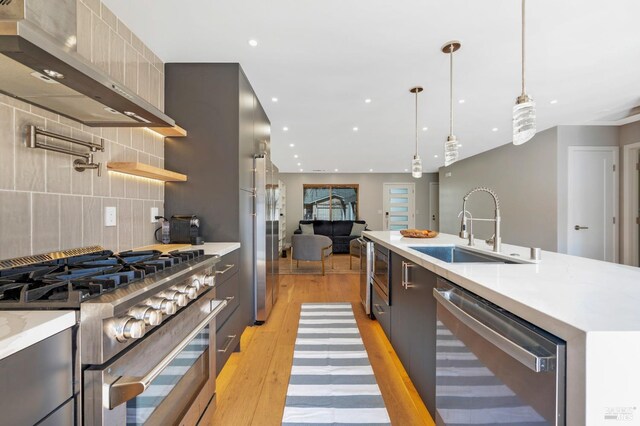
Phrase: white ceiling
(323,58)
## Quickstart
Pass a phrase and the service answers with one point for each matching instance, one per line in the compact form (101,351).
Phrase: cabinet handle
(230,340)
(379,309)
(230,298)
(225,270)
(405,274)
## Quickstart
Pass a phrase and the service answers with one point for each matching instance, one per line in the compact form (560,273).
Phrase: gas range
(65,282)
(138,312)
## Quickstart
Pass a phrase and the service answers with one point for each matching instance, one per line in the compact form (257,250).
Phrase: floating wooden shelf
(174,132)
(145,170)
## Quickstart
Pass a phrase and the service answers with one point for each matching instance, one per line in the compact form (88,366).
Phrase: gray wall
(576,136)
(524,177)
(370,194)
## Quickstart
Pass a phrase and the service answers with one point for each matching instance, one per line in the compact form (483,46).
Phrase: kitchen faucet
(496,220)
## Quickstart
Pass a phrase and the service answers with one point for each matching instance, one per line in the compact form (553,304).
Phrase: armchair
(311,248)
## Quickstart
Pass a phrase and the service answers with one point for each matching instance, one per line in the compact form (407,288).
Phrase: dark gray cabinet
(226,125)
(413,322)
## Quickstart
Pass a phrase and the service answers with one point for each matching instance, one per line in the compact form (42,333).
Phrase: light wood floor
(252,387)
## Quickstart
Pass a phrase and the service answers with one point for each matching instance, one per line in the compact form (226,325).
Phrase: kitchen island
(592,305)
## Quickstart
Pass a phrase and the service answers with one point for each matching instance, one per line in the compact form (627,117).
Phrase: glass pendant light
(416,163)
(451,145)
(524,111)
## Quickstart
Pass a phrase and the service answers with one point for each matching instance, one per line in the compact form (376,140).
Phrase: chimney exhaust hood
(39,64)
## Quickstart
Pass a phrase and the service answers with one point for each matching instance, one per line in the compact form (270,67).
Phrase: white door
(398,204)
(631,199)
(434,206)
(592,202)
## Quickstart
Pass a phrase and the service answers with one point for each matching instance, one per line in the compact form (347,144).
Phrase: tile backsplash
(45,205)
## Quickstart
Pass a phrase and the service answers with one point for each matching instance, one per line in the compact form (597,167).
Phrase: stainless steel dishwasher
(493,367)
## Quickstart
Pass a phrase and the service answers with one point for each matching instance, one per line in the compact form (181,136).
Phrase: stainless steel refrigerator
(266,235)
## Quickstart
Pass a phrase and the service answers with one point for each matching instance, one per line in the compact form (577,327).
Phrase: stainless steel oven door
(493,367)
(167,378)
(381,269)
(366,272)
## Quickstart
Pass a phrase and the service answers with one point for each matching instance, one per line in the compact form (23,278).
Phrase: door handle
(578,227)
(230,340)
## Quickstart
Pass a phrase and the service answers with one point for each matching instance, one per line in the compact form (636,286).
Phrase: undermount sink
(452,254)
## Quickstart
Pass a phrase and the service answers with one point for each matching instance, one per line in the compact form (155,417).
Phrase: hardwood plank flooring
(252,387)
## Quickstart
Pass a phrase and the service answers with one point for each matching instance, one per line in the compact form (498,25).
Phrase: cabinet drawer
(381,310)
(229,291)
(40,374)
(227,266)
(228,339)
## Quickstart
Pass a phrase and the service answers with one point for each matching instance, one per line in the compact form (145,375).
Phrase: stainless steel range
(145,346)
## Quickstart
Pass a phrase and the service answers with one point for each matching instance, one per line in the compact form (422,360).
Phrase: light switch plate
(154,213)
(110,216)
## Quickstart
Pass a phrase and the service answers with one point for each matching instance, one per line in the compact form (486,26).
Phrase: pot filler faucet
(496,220)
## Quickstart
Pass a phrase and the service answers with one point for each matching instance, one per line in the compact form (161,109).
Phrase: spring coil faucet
(463,222)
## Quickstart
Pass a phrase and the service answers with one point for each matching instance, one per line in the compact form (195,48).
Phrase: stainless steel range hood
(39,65)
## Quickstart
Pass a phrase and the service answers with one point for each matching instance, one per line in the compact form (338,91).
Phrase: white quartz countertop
(562,294)
(20,329)
(219,249)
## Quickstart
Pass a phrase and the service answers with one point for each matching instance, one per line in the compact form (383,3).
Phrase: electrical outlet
(154,213)
(110,214)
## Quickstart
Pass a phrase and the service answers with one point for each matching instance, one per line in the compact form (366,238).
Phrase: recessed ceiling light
(295,156)
(406,170)
(553,102)
(355,129)
(495,129)
(285,129)
(367,101)
(459,145)
(302,170)
(370,170)
(299,164)
(274,99)
(424,129)
(291,145)
(435,156)
(461,101)
(335,170)
(253,43)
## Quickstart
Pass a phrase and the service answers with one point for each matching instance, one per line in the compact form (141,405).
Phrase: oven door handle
(127,388)
(527,358)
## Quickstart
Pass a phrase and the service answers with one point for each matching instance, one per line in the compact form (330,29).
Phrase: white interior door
(593,202)
(398,206)
(631,198)
(434,206)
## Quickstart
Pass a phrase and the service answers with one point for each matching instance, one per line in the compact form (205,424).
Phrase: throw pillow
(306,228)
(357,228)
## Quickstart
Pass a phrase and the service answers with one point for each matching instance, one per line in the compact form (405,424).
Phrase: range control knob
(174,295)
(210,280)
(149,315)
(188,289)
(166,306)
(197,284)
(128,327)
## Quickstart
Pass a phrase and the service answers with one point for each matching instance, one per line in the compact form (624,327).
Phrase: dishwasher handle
(527,358)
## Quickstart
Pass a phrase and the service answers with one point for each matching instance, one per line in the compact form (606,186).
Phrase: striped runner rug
(332,381)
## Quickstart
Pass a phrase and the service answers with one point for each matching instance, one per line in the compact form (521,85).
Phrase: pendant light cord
(416,122)
(523,56)
(451,90)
